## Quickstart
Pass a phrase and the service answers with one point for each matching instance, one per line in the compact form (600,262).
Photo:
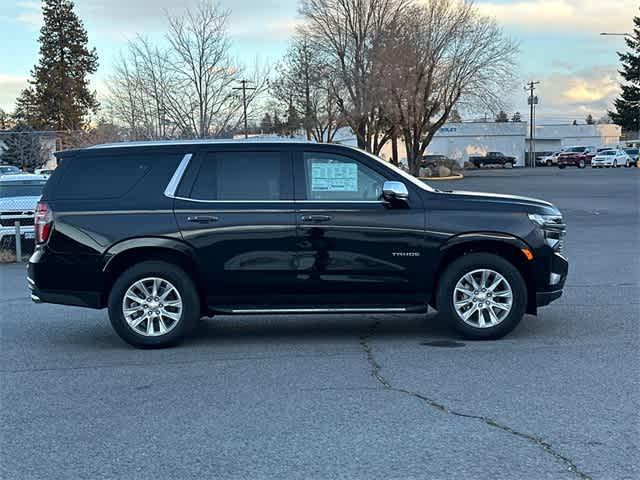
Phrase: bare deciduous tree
(306,83)
(445,54)
(349,32)
(185,89)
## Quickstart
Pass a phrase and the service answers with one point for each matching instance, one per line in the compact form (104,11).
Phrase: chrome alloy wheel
(482,298)
(152,307)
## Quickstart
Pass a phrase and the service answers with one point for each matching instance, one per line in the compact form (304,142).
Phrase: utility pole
(533,101)
(244,89)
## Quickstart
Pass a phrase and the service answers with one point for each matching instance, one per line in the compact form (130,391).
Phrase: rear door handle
(202,219)
(316,218)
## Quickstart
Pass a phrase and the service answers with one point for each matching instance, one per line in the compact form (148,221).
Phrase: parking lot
(348,396)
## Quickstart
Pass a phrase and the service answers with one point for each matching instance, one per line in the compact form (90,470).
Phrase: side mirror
(394,191)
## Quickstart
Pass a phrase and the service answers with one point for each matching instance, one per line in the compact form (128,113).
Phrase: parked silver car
(19,194)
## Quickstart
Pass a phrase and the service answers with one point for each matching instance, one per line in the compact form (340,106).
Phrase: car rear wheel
(153,304)
(483,295)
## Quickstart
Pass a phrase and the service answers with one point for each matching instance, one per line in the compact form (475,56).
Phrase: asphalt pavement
(347,396)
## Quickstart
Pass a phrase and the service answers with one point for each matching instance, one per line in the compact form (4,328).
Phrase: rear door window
(242,176)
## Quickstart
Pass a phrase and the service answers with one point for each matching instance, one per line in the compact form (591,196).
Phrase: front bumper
(545,298)
(559,269)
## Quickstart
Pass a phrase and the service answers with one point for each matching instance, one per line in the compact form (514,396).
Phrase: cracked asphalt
(357,396)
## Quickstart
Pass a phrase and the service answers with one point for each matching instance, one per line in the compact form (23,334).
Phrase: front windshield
(399,171)
(32,188)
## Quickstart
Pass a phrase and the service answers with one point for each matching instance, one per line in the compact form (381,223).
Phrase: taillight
(43,222)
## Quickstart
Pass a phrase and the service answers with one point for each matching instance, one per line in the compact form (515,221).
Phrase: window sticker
(334,177)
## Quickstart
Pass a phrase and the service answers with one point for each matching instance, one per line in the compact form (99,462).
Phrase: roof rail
(206,141)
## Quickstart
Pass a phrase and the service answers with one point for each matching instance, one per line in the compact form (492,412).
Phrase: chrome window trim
(172,186)
(197,200)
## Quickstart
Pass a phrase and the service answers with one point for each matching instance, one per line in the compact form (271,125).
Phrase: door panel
(246,247)
(358,250)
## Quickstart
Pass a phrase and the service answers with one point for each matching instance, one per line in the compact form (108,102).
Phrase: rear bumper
(60,279)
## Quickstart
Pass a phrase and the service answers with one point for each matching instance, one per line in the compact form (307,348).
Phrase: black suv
(164,233)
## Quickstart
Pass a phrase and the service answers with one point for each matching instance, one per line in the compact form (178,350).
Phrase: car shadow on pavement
(310,328)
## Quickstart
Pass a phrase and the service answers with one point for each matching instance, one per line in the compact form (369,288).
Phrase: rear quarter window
(112,175)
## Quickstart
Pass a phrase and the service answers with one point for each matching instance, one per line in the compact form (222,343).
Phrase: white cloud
(564,15)
(10,87)
(30,13)
(579,91)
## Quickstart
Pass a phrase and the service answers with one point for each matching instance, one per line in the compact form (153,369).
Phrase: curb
(450,177)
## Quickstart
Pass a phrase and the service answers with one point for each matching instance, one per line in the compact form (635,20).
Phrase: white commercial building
(461,140)
(551,138)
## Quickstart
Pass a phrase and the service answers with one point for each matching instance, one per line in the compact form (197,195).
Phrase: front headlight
(553,229)
(543,220)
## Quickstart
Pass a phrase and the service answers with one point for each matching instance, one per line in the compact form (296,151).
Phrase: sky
(559,42)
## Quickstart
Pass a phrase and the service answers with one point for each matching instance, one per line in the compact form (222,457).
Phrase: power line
(533,101)
(244,89)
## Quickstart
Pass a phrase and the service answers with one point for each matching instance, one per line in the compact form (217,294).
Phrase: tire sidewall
(466,264)
(180,280)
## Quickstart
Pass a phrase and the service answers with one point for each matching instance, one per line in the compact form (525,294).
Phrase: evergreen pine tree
(589,120)
(502,117)
(293,120)
(277,124)
(59,97)
(454,116)
(627,106)
(266,124)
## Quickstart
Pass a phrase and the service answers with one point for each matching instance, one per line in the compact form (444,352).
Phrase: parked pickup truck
(493,158)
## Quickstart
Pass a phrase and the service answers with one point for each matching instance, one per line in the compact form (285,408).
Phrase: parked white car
(611,158)
(19,194)
(550,160)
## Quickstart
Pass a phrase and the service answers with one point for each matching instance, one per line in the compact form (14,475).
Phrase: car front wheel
(581,164)
(483,295)
(153,304)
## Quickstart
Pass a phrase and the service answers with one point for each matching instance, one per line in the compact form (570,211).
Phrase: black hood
(527,204)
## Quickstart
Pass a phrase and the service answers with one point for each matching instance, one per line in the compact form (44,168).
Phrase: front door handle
(316,218)
(202,219)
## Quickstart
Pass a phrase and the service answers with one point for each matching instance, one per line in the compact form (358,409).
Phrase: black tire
(508,165)
(481,165)
(183,284)
(581,164)
(549,163)
(463,265)
(561,166)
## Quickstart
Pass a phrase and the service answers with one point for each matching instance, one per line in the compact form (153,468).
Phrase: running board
(267,311)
